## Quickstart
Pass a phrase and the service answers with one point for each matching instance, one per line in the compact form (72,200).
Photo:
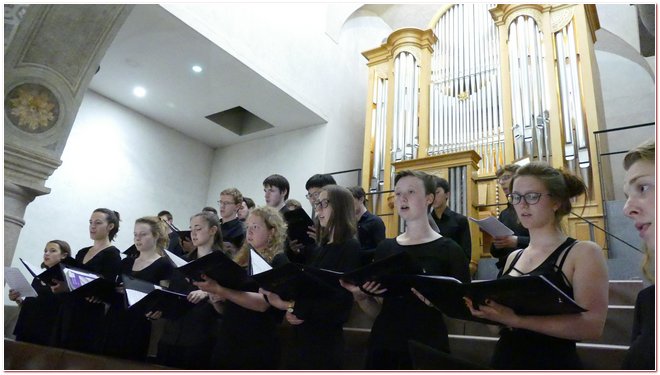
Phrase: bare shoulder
(586,249)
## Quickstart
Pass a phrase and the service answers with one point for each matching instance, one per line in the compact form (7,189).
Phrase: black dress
(641,355)
(127,334)
(318,343)
(37,315)
(80,323)
(248,339)
(405,317)
(521,349)
(509,218)
(187,341)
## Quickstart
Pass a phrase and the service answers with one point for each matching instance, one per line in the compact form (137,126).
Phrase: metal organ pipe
(464,83)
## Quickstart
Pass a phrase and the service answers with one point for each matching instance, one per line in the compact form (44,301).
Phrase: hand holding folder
(144,297)
(294,281)
(297,226)
(526,295)
(220,268)
(88,285)
(387,272)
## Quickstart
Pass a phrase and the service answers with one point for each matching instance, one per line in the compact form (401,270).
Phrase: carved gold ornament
(32,108)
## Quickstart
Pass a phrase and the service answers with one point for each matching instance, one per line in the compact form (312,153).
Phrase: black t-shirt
(455,226)
(371,230)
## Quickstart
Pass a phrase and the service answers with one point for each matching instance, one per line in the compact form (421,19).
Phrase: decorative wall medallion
(32,108)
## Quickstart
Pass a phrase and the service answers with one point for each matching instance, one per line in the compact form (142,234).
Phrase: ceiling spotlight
(197,69)
(139,91)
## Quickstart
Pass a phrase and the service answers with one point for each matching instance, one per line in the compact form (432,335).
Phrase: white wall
(118,159)
(288,45)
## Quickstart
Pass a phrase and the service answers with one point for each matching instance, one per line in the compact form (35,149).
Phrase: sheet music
(18,282)
(258,263)
(178,262)
(493,227)
(75,279)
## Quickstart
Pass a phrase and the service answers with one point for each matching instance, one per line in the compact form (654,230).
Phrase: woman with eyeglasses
(541,196)
(318,341)
(248,337)
(505,245)
(401,318)
(639,187)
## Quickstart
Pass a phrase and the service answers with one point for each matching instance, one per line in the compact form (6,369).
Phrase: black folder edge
(387,272)
(54,272)
(170,303)
(447,294)
(293,281)
(184,235)
(101,288)
(219,267)
(297,222)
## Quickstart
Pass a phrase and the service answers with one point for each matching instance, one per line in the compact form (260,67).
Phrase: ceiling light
(139,91)
(197,69)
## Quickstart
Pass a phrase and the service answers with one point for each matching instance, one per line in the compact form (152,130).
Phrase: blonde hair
(158,230)
(234,193)
(273,220)
(643,152)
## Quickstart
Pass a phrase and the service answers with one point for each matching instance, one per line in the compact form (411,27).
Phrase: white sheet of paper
(259,265)
(177,260)
(133,296)
(18,282)
(493,226)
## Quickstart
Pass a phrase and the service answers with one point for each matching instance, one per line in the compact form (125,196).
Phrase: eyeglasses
(323,203)
(314,195)
(530,198)
(225,203)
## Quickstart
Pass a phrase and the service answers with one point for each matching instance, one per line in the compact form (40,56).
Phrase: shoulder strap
(567,246)
(512,263)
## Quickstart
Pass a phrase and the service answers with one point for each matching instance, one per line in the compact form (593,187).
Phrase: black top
(160,269)
(233,231)
(641,355)
(249,339)
(80,323)
(406,317)
(37,315)
(522,349)
(456,227)
(127,333)
(509,218)
(371,230)
(318,342)
(198,324)
(105,263)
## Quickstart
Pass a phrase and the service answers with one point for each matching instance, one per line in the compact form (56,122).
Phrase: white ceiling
(157,51)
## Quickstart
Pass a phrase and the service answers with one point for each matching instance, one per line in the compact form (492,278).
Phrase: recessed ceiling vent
(240,121)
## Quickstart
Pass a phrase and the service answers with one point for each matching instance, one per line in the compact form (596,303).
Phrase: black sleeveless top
(523,349)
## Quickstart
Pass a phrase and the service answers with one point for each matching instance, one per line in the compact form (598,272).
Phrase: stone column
(50,59)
